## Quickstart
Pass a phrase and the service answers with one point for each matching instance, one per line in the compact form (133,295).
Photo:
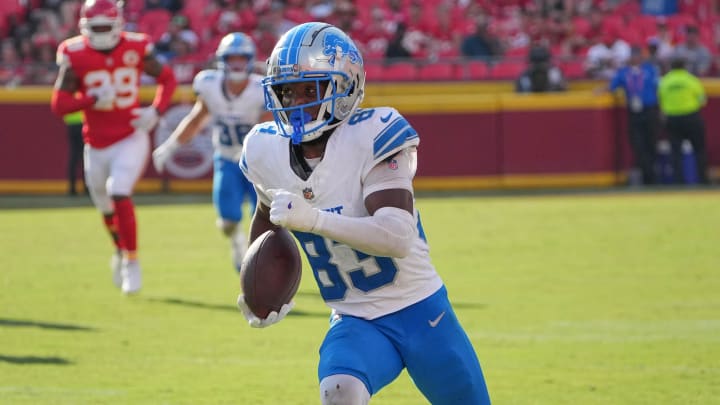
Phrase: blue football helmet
(316,53)
(233,44)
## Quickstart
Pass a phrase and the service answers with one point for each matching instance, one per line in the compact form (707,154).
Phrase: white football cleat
(116,268)
(131,276)
(238,246)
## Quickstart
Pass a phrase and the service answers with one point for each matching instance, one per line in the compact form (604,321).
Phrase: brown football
(270,272)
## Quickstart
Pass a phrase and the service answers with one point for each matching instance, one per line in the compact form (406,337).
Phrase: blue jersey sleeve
(618,80)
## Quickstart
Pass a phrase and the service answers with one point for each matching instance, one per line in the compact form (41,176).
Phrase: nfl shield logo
(393,164)
(308,193)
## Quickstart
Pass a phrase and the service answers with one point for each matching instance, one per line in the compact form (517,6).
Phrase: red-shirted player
(100,73)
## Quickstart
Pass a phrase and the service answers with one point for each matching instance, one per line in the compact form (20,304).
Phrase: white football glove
(273,317)
(104,96)
(163,153)
(145,118)
(292,211)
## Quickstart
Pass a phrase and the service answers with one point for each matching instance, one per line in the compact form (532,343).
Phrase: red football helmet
(101,22)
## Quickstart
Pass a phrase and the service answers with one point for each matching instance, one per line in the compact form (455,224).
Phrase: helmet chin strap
(297,119)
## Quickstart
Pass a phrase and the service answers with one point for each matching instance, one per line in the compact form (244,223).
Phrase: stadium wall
(473,136)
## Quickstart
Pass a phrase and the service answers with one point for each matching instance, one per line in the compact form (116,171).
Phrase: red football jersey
(122,67)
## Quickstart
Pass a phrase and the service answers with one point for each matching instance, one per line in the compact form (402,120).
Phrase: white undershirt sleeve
(390,231)
(262,196)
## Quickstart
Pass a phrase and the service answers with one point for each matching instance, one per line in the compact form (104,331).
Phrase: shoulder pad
(207,74)
(255,138)
(267,128)
(394,132)
(67,47)
(136,36)
(204,79)
(73,44)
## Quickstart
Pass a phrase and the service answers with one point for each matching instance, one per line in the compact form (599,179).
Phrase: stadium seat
(507,70)
(134,6)
(520,52)
(475,70)
(399,71)
(573,69)
(195,10)
(373,71)
(437,71)
(154,23)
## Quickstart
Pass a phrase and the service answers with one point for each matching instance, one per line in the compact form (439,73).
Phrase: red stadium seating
(475,70)
(573,69)
(518,52)
(437,71)
(507,70)
(626,22)
(154,22)
(399,71)
(373,71)
(134,6)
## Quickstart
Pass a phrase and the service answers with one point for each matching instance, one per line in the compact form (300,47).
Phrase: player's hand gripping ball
(270,277)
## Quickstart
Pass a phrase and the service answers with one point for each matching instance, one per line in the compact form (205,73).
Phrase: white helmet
(314,52)
(101,13)
(232,44)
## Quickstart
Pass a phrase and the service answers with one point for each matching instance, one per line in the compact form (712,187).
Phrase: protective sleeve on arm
(64,102)
(166,83)
(389,232)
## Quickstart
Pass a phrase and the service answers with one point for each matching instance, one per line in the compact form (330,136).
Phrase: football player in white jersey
(232,98)
(340,178)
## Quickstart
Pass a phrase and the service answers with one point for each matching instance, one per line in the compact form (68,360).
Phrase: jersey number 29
(123,79)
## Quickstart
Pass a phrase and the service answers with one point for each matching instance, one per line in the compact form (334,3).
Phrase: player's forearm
(260,222)
(389,232)
(189,127)
(64,102)
(185,132)
(166,85)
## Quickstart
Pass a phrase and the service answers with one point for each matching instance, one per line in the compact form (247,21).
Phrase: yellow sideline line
(440,97)
(604,179)
(427,183)
(424,183)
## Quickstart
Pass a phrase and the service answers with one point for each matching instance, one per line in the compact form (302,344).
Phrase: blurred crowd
(594,36)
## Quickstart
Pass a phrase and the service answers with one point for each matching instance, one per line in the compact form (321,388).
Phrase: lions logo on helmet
(236,44)
(316,53)
(101,23)
(337,45)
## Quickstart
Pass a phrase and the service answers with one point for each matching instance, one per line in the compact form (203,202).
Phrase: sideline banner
(471,138)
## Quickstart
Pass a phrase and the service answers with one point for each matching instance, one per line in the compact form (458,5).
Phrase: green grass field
(569,299)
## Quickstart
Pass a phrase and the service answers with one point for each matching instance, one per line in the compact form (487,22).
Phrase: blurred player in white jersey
(100,73)
(232,97)
(340,177)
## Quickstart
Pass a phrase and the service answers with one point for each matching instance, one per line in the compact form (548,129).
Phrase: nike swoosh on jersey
(433,323)
(386,118)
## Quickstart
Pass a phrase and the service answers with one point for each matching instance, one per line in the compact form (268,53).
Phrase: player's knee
(118,187)
(343,389)
(226,227)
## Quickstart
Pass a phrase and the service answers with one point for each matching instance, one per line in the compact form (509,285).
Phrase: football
(270,272)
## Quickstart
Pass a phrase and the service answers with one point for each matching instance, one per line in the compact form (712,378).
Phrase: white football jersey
(351,282)
(232,117)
